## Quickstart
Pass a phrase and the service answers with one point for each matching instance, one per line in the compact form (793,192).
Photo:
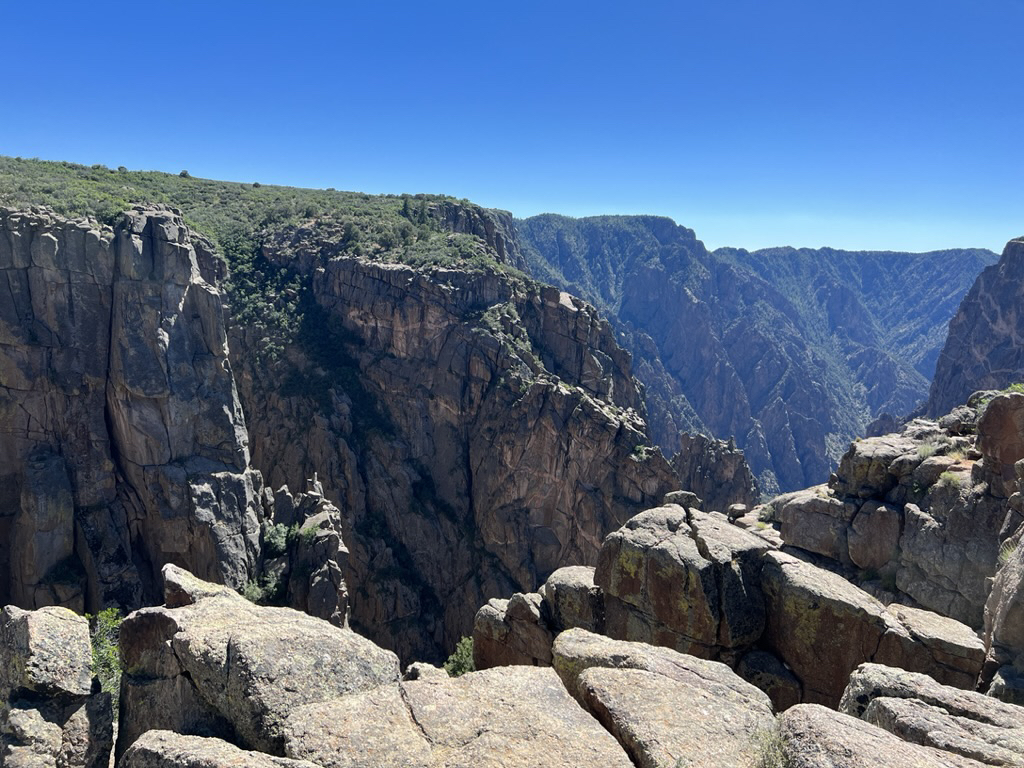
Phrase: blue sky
(896,124)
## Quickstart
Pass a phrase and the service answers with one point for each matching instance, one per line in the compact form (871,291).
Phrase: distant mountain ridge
(792,352)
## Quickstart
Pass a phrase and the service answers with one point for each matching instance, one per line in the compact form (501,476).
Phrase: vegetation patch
(461,660)
(105,631)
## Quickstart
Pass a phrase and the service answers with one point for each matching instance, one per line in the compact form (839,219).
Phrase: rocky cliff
(791,352)
(477,429)
(983,349)
(121,434)
(464,429)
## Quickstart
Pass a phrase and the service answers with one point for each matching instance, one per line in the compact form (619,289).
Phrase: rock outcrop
(211,663)
(518,716)
(982,350)
(664,707)
(917,709)
(49,715)
(691,581)
(919,512)
(124,445)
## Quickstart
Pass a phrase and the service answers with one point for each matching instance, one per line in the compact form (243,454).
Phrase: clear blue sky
(895,124)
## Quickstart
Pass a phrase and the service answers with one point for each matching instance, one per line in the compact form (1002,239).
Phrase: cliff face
(477,430)
(473,429)
(790,352)
(983,349)
(122,442)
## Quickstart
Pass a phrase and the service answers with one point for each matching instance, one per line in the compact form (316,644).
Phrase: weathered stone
(164,749)
(48,712)
(944,649)
(871,681)
(874,536)
(513,631)
(573,600)
(815,737)
(688,581)
(223,666)
(815,521)
(661,705)
(514,716)
(865,470)
(916,707)
(914,721)
(45,652)
(820,624)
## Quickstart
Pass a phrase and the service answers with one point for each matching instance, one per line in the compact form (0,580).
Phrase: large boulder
(812,736)
(685,580)
(510,717)
(165,749)
(664,707)
(513,631)
(49,715)
(222,666)
(917,708)
(820,624)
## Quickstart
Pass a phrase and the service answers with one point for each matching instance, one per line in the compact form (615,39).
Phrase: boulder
(664,707)
(812,736)
(222,666)
(49,715)
(513,631)
(45,652)
(683,579)
(916,707)
(946,650)
(865,471)
(573,600)
(815,521)
(820,624)
(165,749)
(510,717)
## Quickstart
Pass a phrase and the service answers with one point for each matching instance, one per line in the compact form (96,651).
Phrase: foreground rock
(165,749)
(218,665)
(918,709)
(48,713)
(664,707)
(507,717)
(815,737)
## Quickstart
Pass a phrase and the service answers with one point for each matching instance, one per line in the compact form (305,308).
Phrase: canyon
(370,417)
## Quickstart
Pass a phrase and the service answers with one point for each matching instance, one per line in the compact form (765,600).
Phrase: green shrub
(461,661)
(275,540)
(106,657)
